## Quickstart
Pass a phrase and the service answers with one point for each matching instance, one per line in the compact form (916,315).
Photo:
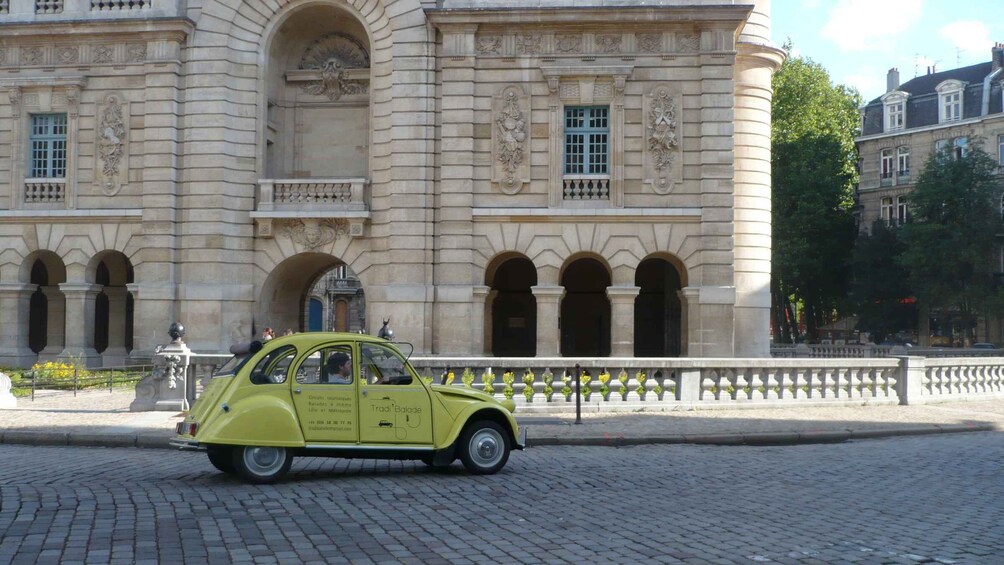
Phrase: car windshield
(242,352)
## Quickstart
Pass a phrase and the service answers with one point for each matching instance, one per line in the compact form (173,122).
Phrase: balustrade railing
(44,191)
(586,187)
(825,351)
(48,6)
(621,384)
(114,5)
(278,194)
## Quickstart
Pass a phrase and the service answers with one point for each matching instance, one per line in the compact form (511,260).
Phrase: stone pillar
(80,322)
(756,61)
(55,325)
(690,317)
(116,353)
(479,310)
(548,311)
(622,299)
(164,389)
(15,305)
(911,380)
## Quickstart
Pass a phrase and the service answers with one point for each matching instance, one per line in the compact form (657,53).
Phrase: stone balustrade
(586,187)
(309,194)
(826,351)
(540,384)
(84,10)
(44,191)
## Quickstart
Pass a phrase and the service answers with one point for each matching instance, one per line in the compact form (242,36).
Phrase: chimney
(892,80)
(997,57)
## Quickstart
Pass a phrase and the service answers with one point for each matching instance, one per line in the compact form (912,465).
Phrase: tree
(813,176)
(950,239)
(880,289)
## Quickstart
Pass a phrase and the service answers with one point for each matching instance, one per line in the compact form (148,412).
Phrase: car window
(328,365)
(381,366)
(274,366)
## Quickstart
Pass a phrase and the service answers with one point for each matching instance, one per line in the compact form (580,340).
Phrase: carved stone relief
(650,42)
(568,43)
(67,54)
(14,93)
(73,101)
(103,54)
(608,43)
(662,142)
(136,53)
(688,42)
(489,44)
(528,43)
(312,233)
(32,55)
(111,137)
(333,55)
(510,139)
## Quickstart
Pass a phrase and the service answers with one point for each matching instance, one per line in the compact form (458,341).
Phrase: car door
(394,406)
(326,403)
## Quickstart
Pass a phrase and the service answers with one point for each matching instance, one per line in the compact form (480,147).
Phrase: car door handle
(365,393)
(386,424)
(297,391)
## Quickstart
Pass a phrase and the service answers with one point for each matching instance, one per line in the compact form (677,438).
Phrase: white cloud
(869,84)
(869,25)
(971,37)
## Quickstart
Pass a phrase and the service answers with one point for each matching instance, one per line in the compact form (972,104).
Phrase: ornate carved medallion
(568,43)
(650,42)
(510,138)
(111,144)
(661,138)
(312,233)
(333,55)
(608,43)
(489,44)
(528,43)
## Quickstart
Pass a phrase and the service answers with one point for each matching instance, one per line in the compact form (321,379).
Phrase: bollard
(33,386)
(74,381)
(578,395)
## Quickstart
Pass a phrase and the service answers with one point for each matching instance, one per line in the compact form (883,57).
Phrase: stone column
(115,355)
(756,61)
(622,299)
(80,322)
(55,325)
(15,305)
(690,318)
(479,310)
(548,311)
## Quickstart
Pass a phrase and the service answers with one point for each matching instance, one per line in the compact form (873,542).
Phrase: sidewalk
(94,418)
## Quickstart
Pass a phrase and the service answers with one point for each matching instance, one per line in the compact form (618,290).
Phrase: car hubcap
(486,447)
(264,460)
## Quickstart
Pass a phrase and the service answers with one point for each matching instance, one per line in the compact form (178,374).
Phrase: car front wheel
(262,465)
(484,448)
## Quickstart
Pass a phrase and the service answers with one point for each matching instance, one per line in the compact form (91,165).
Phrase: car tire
(484,447)
(262,465)
(222,457)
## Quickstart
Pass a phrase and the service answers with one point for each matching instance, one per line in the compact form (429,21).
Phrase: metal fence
(73,380)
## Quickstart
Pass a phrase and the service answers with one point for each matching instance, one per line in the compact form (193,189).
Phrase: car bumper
(521,442)
(186,444)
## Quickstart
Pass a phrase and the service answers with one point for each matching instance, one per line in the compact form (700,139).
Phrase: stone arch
(46,323)
(658,309)
(585,308)
(511,309)
(282,299)
(111,271)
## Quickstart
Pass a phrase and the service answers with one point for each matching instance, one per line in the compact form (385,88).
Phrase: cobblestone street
(901,500)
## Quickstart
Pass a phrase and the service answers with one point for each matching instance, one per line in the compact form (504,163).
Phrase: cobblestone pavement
(923,499)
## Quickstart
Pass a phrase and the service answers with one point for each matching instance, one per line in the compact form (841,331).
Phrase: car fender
(263,420)
(482,411)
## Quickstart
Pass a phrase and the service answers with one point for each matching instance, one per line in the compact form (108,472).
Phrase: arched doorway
(47,306)
(113,308)
(513,308)
(657,310)
(291,289)
(585,309)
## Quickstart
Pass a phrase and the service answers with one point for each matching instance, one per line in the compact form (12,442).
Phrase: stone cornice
(172,29)
(49,81)
(731,16)
(71,216)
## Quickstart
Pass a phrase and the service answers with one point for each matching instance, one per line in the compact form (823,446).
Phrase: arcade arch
(658,309)
(585,308)
(47,306)
(289,296)
(512,308)
(113,307)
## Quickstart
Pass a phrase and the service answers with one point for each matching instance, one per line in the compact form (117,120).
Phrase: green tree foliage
(950,239)
(880,290)
(813,176)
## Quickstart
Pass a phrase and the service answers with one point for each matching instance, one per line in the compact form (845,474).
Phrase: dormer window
(894,109)
(950,100)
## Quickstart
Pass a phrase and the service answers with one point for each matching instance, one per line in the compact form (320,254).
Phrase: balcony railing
(345,194)
(586,187)
(44,191)
(24,11)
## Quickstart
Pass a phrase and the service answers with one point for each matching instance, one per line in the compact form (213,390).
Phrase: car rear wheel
(222,457)
(262,465)
(484,448)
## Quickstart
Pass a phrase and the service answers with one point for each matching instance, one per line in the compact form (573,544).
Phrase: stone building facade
(900,130)
(507,178)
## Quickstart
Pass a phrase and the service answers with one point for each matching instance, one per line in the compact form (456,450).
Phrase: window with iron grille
(903,159)
(887,163)
(48,146)
(587,140)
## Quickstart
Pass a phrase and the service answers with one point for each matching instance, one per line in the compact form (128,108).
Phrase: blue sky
(857,41)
